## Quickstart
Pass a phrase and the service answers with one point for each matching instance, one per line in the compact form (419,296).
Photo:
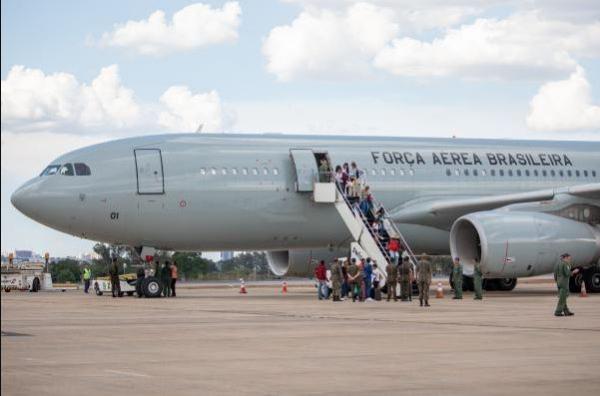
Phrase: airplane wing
(441,212)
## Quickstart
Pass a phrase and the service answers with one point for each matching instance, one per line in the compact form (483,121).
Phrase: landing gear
(151,287)
(35,287)
(591,277)
(97,289)
(506,284)
(575,282)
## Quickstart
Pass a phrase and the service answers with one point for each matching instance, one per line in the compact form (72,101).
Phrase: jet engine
(301,262)
(514,244)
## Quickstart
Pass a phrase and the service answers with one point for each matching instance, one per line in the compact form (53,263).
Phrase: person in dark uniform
(165,277)
(141,275)
(404,272)
(477,280)
(115,285)
(457,279)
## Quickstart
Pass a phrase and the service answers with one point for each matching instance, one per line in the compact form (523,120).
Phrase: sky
(78,73)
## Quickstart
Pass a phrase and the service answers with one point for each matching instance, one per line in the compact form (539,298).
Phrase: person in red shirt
(394,249)
(321,276)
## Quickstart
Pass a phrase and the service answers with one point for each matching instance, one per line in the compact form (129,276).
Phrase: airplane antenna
(200,127)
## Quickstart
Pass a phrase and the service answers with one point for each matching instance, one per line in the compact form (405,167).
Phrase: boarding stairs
(369,243)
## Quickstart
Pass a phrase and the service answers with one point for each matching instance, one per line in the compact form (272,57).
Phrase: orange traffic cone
(242,287)
(583,291)
(439,293)
(284,288)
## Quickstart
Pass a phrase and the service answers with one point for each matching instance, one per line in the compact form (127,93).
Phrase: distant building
(23,255)
(226,256)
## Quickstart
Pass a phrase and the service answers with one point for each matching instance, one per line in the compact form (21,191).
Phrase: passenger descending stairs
(359,227)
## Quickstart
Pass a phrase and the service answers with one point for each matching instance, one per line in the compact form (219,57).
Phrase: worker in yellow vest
(87,275)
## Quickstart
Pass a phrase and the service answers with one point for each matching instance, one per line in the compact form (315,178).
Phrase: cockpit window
(50,170)
(66,170)
(82,169)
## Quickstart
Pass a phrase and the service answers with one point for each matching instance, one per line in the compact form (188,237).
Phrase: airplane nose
(24,200)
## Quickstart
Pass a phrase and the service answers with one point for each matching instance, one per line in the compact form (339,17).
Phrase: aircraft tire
(506,284)
(151,287)
(468,283)
(130,293)
(575,283)
(592,279)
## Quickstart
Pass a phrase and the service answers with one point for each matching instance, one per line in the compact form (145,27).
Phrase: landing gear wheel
(468,283)
(130,293)
(35,287)
(506,284)
(575,282)
(151,287)
(97,289)
(592,279)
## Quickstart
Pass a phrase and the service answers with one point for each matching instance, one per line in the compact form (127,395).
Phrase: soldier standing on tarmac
(457,278)
(115,285)
(477,280)
(392,278)
(165,276)
(336,280)
(424,279)
(562,273)
(404,273)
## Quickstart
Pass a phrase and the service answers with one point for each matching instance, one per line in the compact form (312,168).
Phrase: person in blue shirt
(367,274)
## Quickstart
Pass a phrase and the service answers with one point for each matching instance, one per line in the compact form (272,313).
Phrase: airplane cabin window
(475,173)
(255,171)
(577,173)
(535,172)
(265,171)
(518,172)
(393,172)
(50,170)
(234,171)
(501,172)
(594,173)
(213,171)
(67,170)
(456,172)
(401,172)
(561,173)
(224,171)
(510,172)
(382,172)
(374,172)
(411,172)
(493,172)
(275,171)
(544,173)
(448,172)
(466,172)
(483,173)
(244,171)
(527,172)
(552,173)
(82,169)
(585,173)
(203,171)
(569,173)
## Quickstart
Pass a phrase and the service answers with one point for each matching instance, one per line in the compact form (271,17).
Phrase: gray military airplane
(515,205)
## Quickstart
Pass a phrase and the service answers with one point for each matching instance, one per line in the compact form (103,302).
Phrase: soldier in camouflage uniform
(336,280)
(392,278)
(424,279)
(404,274)
(457,278)
(115,285)
(477,280)
(562,273)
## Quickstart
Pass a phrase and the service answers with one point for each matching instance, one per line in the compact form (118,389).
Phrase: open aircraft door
(149,171)
(306,168)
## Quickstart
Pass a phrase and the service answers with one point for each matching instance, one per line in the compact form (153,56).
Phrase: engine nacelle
(515,244)
(300,262)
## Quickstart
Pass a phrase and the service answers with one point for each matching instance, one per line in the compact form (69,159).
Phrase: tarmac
(215,341)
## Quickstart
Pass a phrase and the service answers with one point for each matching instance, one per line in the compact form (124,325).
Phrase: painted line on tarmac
(126,373)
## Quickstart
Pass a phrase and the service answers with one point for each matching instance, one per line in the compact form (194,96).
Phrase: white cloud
(520,46)
(323,43)
(194,26)
(564,105)
(184,111)
(48,102)
(35,102)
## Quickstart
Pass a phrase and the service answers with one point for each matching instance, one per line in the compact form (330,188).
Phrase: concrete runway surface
(215,341)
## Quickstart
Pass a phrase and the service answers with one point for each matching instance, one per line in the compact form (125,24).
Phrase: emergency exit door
(306,168)
(149,171)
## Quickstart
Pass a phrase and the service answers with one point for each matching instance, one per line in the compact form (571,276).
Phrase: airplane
(514,205)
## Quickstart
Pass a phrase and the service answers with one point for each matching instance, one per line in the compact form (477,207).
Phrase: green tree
(192,265)
(66,270)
